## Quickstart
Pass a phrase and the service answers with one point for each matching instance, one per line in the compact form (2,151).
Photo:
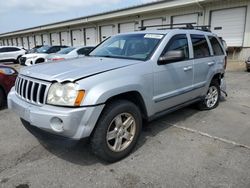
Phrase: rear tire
(2,99)
(117,131)
(212,99)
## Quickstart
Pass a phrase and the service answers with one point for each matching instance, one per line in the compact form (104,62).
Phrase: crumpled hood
(71,70)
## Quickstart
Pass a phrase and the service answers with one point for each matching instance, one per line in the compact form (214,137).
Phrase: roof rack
(178,26)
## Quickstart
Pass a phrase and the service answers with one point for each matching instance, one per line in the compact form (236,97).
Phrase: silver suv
(126,79)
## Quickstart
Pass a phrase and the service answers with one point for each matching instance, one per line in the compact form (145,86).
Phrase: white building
(230,19)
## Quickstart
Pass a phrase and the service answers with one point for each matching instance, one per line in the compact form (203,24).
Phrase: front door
(173,81)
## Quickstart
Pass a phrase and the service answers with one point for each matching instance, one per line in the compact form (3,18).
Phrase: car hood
(51,56)
(71,70)
(34,54)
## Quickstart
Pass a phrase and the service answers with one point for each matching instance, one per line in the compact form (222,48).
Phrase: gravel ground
(187,148)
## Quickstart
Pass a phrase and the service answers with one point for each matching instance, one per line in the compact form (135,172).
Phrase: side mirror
(171,56)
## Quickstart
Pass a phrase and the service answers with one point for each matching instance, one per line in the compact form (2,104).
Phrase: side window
(200,46)
(2,50)
(216,46)
(178,42)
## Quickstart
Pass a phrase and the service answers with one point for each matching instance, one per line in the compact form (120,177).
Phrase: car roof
(11,47)
(165,32)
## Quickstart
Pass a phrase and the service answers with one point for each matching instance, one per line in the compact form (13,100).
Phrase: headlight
(7,71)
(65,95)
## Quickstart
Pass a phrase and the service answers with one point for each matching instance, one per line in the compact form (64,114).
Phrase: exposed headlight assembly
(66,94)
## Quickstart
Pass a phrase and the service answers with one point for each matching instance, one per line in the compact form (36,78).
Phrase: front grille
(22,60)
(32,90)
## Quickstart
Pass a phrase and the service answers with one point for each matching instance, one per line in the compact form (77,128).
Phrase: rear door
(203,60)
(173,81)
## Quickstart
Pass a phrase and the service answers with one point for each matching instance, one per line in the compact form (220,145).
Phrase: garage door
(46,40)
(5,42)
(153,22)
(19,41)
(55,39)
(38,39)
(77,37)
(106,31)
(189,18)
(65,38)
(14,42)
(90,36)
(10,42)
(25,43)
(229,24)
(32,41)
(126,27)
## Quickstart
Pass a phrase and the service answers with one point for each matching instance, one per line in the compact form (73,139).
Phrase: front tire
(212,98)
(117,131)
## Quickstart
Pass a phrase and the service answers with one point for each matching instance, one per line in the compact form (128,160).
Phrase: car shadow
(78,152)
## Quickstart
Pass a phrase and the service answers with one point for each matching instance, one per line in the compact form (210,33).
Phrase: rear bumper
(73,123)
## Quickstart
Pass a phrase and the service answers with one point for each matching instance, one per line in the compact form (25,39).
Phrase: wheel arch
(132,96)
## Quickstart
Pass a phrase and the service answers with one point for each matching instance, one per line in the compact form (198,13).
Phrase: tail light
(58,59)
(225,63)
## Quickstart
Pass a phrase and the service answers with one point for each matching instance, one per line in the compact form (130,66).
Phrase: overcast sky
(21,14)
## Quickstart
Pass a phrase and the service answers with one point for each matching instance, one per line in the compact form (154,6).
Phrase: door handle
(211,63)
(188,68)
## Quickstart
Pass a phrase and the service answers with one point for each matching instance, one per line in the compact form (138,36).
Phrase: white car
(11,53)
(70,53)
(40,55)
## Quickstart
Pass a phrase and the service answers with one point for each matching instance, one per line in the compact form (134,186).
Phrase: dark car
(34,50)
(248,64)
(7,81)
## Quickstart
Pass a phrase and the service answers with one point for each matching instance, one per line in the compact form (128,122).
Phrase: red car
(7,81)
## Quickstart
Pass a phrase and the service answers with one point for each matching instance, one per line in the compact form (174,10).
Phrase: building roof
(137,9)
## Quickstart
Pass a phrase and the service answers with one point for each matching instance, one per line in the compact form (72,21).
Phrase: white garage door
(19,41)
(229,24)
(189,18)
(106,31)
(14,42)
(46,40)
(55,39)
(25,43)
(10,42)
(5,41)
(77,37)
(65,38)
(38,40)
(153,22)
(90,36)
(31,41)
(127,27)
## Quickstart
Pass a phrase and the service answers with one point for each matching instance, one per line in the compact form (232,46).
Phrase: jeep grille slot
(32,90)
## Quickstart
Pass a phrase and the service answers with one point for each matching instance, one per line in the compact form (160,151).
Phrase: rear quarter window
(217,49)
(200,46)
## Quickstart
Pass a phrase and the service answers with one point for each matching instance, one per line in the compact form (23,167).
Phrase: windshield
(66,50)
(131,46)
(43,49)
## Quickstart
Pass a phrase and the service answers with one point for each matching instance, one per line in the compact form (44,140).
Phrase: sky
(21,14)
